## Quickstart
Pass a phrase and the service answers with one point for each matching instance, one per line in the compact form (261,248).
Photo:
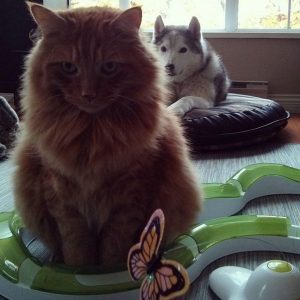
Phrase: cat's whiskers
(126,104)
(126,98)
(63,108)
(52,97)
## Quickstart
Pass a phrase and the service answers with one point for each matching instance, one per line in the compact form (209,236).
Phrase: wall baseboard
(291,102)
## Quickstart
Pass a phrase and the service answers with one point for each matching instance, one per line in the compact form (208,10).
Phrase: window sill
(252,35)
(244,34)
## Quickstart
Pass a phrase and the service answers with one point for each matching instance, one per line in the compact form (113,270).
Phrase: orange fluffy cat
(99,151)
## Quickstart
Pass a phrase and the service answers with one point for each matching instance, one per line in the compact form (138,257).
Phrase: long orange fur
(98,154)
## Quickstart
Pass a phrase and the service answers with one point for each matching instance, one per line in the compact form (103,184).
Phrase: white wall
(56,4)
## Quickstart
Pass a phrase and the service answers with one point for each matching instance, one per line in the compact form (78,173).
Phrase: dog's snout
(170,67)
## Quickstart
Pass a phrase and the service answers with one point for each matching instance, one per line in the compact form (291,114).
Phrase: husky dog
(197,75)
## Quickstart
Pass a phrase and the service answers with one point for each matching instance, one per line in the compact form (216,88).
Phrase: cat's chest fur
(96,173)
(94,195)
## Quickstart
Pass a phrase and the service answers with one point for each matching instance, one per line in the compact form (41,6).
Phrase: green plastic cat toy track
(24,276)
(249,183)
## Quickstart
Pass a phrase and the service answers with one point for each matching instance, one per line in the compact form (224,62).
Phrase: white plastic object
(272,280)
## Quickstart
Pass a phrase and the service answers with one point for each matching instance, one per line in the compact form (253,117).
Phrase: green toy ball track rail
(251,182)
(23,276)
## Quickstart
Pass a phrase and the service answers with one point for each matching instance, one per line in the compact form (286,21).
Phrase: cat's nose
(89,96)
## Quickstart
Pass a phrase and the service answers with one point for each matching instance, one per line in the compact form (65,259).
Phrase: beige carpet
(218,167)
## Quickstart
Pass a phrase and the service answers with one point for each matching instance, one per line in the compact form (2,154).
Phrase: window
(215,15)
(266,14)
(180,12)
(86,3)
(177,12)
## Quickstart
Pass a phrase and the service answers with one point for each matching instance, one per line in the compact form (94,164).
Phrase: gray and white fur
(197,76)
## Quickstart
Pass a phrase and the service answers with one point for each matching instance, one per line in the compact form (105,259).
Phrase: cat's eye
(163,49)
(109,68)
(183,50)
(69,68)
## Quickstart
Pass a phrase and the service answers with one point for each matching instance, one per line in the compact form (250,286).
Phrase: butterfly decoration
(161,279)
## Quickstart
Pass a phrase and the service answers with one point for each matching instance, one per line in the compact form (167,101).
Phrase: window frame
(231,29)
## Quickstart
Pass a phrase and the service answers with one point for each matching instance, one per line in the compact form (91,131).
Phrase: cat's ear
(130,19)
(48,21)
(159,26)
(195,29)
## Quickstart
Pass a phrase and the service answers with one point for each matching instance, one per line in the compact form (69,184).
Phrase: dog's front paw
(187,103)
(179,108)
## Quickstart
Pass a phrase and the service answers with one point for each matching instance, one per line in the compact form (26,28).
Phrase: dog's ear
(159,26)
(195,29)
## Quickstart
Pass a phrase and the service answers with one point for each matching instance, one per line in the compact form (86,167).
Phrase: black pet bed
(238,121)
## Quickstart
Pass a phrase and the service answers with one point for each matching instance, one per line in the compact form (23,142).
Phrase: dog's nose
(170,67)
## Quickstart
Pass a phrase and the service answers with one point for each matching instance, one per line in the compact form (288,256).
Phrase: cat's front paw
(80,254)
(57,257)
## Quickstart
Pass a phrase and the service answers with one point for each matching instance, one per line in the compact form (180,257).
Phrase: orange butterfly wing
(164,279)
(169,280)
(142,253)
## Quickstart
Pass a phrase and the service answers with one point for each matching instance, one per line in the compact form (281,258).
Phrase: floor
(219,167)
(291,133)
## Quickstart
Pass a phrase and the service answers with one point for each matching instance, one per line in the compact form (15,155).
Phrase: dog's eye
(69,68)
(183,50)
(163,49)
